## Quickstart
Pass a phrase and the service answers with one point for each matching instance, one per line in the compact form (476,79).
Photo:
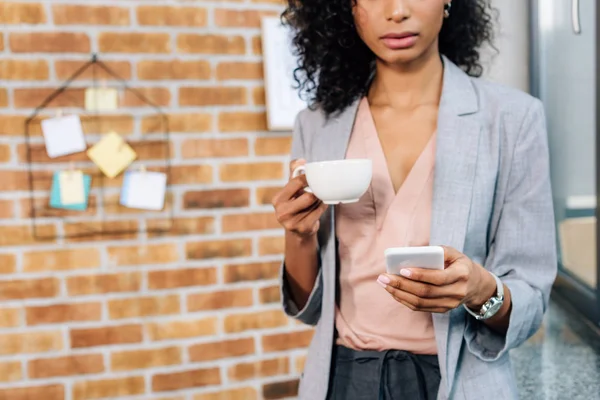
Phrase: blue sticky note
(55,201)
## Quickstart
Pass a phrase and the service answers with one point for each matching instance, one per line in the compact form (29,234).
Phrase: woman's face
(399,31)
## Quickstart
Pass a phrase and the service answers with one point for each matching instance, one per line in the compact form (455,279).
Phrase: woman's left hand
(461,282)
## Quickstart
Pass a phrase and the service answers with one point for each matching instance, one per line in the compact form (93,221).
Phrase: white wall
(511,65)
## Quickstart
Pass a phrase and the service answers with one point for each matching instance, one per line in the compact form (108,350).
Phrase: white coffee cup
(340,181)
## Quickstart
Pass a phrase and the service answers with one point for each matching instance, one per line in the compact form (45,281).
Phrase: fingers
(416,303)
(296,163)
(290,189)
(456,290)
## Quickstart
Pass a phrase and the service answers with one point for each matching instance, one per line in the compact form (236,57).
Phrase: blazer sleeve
(523,249)
(311,312)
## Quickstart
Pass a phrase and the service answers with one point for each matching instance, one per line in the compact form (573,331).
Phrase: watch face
(493,308)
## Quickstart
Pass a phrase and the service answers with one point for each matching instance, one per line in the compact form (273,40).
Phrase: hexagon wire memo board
(104,218)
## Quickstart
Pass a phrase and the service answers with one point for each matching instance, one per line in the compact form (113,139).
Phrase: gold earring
(447,8)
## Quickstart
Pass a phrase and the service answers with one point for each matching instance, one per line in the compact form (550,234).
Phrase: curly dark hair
(335,65)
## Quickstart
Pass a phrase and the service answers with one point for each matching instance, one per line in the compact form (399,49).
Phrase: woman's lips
(399,42)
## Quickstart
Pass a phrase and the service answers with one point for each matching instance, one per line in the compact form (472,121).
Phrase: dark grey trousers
(388,375)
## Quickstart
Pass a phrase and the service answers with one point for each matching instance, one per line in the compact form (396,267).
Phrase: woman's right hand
(296,210)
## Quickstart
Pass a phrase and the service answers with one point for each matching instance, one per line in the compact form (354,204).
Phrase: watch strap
(480,315)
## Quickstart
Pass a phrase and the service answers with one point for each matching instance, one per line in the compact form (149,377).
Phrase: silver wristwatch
(492,306)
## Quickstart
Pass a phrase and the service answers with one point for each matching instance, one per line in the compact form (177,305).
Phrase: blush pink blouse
(367,317)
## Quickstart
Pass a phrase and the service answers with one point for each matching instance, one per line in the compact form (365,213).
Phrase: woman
(457,162)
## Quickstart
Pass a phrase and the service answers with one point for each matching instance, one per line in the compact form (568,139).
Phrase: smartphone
(430,257)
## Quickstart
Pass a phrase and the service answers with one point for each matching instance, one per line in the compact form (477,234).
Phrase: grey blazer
(492,201)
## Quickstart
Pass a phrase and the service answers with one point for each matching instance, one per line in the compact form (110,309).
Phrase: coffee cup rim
(345,161)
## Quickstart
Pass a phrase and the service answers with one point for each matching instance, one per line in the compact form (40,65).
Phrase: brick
(109,388)
(159,96)
(175,278)
(112,206)
(139,359)
(10,371)
(173,70)
(63,313)
(7,210)
(49,42)
(251,171)
(221,349)
(130,42)
(186,379)
(280,390)
(257,45)
(240,70)
(66,68)
(14,180)
(101,230)
(220,198)
(299,364)
(61,260)
(5,153)
(251,272)
(22,235)
(264,195)
(272,146)
(23,70)
(212,96)
(231,394)
(8,263)
(182,123)
(180,226)
(32,97)
(11,125)
(182,329)
(188,174)
(253,321)
(19,289)
(23,13)
(259,369)
(242,122)
(141,255)
(218,249)
(269,295)
(66,14)
(106,336)
(271,245)
(105,283)
(47,392)
(249,222)
(42,209)
(1,41)
(143,307)
(172,16)
(287,341)
(200,148)
(259,96)
(10,317)
(210,44)
(30,342)
(219,300)
(3,93)
(240,18)
(152,150)
(65,366)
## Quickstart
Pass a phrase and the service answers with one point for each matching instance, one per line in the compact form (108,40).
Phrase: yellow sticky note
(112,154)
(72,189)
(101,99)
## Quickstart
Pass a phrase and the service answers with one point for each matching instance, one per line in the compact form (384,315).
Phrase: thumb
(296,163)
(451,255)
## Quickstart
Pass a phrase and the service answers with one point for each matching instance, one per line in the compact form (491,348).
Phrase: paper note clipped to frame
(63,135)
(70,190)
(101,99)
(144,190)
(112,154)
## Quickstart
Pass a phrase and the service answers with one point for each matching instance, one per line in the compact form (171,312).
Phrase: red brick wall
(195,314)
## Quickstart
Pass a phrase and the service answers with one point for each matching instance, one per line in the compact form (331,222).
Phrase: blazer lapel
(456,160)
(331,140)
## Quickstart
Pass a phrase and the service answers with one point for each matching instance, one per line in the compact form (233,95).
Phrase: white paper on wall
(144,190)
(63,136)
(283,101)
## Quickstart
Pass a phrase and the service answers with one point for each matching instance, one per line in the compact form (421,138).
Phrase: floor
(562,361)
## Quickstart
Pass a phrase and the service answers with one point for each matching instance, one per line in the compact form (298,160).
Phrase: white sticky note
(101,99)
(72,188)
(112,154)
(63,135)
(144,190)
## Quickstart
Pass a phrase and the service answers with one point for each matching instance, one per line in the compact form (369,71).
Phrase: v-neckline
(387,195)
